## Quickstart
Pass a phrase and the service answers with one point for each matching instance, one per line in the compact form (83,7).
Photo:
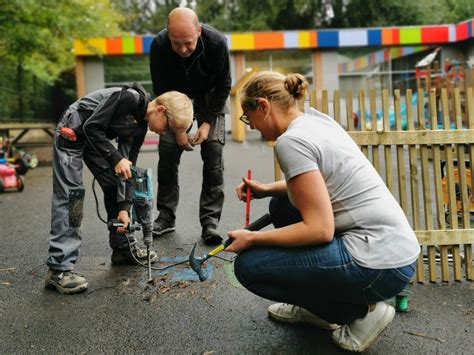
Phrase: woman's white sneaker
(361,333)
(288,313)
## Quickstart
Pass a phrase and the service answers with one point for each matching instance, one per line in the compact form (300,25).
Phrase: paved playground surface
(120,313)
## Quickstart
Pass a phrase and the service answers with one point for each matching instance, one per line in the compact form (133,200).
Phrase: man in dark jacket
(83,135)
(192,58)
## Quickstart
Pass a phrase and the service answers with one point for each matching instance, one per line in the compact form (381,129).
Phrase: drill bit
(150,279)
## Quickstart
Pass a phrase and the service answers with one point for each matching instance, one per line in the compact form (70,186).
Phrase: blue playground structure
(403,113)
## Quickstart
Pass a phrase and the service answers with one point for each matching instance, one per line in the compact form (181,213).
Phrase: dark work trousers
(212,191)
(68,198)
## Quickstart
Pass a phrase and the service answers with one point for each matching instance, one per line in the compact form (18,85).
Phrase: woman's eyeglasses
(244,118)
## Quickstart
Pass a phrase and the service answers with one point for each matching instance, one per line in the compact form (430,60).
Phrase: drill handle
(113,224)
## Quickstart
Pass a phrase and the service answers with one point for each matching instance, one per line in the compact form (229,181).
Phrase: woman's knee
(241,269)
(245,267)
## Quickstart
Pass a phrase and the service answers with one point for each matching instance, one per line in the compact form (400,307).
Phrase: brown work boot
(66,282)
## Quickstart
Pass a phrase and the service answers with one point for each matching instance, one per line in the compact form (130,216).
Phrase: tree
(144,16)
(249,15)
(445,11)
(38,35)
(36,42)
(263,15)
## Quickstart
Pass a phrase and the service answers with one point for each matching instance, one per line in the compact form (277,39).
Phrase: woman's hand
(125,219)
(241,240)
(122,169)
(257,189)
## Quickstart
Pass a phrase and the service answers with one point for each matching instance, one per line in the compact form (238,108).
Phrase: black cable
(145,265)
(128,238)
(97,201)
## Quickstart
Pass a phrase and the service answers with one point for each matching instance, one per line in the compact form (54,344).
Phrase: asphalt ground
(177,314)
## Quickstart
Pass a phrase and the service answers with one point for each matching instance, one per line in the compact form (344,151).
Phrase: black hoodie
(204,76)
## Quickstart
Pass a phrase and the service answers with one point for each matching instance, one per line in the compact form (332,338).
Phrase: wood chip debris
(150,297)
(164,289)
(424,336)
(10,269)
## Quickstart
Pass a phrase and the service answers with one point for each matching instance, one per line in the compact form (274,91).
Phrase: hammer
(196,263)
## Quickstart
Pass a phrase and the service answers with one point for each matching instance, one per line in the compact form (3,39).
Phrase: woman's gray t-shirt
(372,224)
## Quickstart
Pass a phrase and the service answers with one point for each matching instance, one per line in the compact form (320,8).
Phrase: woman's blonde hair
(179,109)
(284,90)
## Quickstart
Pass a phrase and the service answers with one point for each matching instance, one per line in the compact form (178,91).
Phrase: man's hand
(125,219)
(184,141)
(202,134)
(122,169)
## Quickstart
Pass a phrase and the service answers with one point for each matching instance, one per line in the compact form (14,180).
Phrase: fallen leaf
(164,289)
(183,284)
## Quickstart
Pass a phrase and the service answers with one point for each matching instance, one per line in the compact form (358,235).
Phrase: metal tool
(142,202)
(247,200)
(143,207)
(196,263)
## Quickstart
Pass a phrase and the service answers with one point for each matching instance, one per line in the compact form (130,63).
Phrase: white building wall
(94,74)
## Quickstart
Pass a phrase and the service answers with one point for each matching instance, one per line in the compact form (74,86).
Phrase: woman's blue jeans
(324,279)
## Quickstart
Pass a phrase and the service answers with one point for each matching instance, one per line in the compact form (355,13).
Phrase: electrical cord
(145,265)
(130,244)
(128,238)
(97,201)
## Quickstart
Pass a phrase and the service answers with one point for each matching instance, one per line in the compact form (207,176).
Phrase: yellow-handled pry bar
(196,263)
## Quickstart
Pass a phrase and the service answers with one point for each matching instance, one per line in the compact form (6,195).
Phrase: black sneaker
(162,226)
(210,235)
(124,256)
(66,282)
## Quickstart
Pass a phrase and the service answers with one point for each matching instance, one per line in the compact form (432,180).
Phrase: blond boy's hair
(179,109)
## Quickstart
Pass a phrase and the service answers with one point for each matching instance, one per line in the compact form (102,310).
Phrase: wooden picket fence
(424,157)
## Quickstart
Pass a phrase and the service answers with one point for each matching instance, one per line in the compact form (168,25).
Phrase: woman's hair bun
(296,85)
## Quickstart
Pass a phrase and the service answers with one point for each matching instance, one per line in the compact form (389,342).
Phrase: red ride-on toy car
(9,178)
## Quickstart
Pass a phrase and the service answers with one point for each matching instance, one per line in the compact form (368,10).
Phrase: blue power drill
(142,198)
(142,207)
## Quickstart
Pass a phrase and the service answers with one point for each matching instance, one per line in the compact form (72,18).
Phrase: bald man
(192,58)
